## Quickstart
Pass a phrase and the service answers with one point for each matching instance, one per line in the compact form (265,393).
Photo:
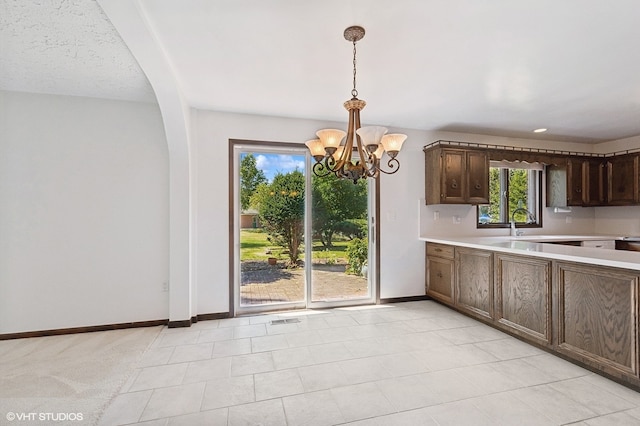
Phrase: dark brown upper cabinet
(576,182)
(622,179)
(456,176)
(458,173)
(593,182)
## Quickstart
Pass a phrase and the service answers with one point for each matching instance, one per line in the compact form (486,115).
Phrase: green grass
(255,246)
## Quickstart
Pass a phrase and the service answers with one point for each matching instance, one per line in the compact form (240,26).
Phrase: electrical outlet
(456,220)
(165,286)
(436,215)
(568,219)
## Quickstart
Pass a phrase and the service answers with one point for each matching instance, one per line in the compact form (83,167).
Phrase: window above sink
(514,196)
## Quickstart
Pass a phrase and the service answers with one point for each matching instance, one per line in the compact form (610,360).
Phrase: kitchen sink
(552,238)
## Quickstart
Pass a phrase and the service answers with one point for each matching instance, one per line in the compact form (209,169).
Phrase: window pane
(511,190)
(518,194)
(491,213)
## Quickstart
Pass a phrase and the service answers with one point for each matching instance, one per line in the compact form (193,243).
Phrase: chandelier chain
(354,92)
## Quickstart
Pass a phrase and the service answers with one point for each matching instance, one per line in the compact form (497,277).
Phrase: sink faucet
(530,219)
(516,232)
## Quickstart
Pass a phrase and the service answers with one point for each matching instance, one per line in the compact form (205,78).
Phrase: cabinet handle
(439,274)
(578,190)
(454,184)
(437,249)
(478,186)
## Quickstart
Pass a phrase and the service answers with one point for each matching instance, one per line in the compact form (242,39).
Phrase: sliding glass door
(298,240)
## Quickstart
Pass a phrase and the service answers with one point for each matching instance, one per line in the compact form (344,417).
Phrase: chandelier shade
(393,143)
(371,136)
(330,138)
(316,148)
(359,157)
(336,155)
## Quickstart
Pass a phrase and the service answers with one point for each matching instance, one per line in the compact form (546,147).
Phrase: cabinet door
(557,185)
(597,316)
(453,167)
(478,177)
(440,275)
(432,175)
(622,176)
(474,282)
(523,296)
(574,182)
(593,183)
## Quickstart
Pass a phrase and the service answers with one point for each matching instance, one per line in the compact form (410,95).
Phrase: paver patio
(264,283)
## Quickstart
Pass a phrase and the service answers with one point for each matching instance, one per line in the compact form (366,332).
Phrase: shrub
(357,253)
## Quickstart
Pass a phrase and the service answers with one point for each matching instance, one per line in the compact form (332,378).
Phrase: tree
(518,193)
(250,178)
(494,194)
(335,201)
(281,209)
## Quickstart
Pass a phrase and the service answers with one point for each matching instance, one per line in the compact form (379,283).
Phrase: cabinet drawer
(440,250)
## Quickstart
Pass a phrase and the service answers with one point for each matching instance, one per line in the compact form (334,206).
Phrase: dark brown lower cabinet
(523,296)
(584,312)
(440,272)
(474,282)
(597,319)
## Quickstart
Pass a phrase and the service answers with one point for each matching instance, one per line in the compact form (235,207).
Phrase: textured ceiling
(66,47)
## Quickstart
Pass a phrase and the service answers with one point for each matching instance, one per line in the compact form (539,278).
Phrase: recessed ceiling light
(539,130)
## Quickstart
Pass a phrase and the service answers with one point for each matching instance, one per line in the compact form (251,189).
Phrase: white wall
(401,251)
(85,203)
(618,146)
(84,212)
(618,220)
(403,215)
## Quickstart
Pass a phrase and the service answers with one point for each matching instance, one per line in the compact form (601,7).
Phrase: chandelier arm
(319,169)
(361,153)
(331,164)
(371,165)
(341,164)
(348,145)
(393,164)
(373,173)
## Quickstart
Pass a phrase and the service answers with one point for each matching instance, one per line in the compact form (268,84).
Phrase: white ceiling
(501,67)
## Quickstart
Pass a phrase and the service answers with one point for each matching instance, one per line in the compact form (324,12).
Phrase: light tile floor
(415,363)
(76,375)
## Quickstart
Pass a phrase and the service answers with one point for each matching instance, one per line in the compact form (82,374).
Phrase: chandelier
(371,142)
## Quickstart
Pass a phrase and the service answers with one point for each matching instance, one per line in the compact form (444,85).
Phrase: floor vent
(284,321)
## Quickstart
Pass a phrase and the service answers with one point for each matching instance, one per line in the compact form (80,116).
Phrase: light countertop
(533,245)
